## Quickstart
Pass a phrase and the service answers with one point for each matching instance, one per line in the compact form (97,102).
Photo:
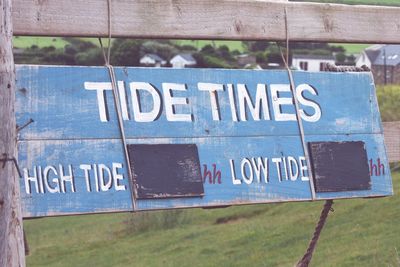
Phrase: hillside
(359,232)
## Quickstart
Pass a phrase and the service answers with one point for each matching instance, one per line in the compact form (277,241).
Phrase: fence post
(12,251)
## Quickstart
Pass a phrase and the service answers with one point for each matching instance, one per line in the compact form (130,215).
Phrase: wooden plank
(72,157)
(11,233)
(246,183)
(56,99)
(207,19)
(392,140)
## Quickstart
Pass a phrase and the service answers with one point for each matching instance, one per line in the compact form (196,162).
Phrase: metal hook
(13,159)
(19,128)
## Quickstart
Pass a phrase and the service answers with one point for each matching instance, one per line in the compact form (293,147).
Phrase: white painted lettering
(259,166)
(293,168)
(277,162)
(117,176)
(285,168)
(138,114)
(104,186)
(66,178)
(28,179)
(212,88)
(40,179)
(306,102)
(232,102)
(248,179)
(303,168)
(96,177)
(235,180)
(100,88)
(86,168)
(123,100)
(55,180)
(171,102)
(261,101)
(278,102)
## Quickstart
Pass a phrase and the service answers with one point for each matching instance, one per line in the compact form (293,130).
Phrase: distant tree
(337,48)
(208,49)
(166,50)
(273,55)
(256,46)
(223,51)
(260,57)
(70,49)
(235,53)
(351,59)
(48,49)
(58,57)
(187,48)
(92,57)
(340,57)
(79,44)
(125,52)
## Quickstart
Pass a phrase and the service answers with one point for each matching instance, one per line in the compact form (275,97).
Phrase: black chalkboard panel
(339,166)
(166,170)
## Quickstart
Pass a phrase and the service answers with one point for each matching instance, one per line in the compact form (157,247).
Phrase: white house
(379,55)
(311,62)
(183,61)
(152,60)
(384,62)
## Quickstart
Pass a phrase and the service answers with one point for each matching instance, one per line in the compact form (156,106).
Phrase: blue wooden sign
(196,138)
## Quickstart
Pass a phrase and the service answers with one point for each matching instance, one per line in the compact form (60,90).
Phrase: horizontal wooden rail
(209,19)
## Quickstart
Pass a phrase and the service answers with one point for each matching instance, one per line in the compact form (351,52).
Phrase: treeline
(127,52)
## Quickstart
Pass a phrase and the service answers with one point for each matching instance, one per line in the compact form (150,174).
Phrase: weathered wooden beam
(392,140)
(209,19)
(11,237)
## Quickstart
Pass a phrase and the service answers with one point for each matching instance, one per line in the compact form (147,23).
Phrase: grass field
(389,102)
(28,41)
(233,45)
(361,232)
(352,49)
(57,42)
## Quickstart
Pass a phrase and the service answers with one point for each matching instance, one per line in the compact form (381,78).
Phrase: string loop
(297,109)
(305,261)
(117,105)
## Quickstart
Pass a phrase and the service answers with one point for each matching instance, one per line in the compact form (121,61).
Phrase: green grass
(389,102)
(57,42)
(352,49)
(361,232)
(232,45)
(28,41)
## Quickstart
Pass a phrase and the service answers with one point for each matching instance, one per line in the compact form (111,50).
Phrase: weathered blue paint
(68,131)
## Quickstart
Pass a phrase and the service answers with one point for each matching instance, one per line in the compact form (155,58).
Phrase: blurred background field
(361,232)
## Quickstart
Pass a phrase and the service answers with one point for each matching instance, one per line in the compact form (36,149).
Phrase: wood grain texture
(219,151)
(11,236)
(56,99)
(207,19)
(242,158)
(391,131)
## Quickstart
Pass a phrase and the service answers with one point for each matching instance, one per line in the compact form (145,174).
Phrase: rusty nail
(26,124)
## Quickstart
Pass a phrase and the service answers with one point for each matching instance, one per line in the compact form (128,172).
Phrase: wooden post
(11,234)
